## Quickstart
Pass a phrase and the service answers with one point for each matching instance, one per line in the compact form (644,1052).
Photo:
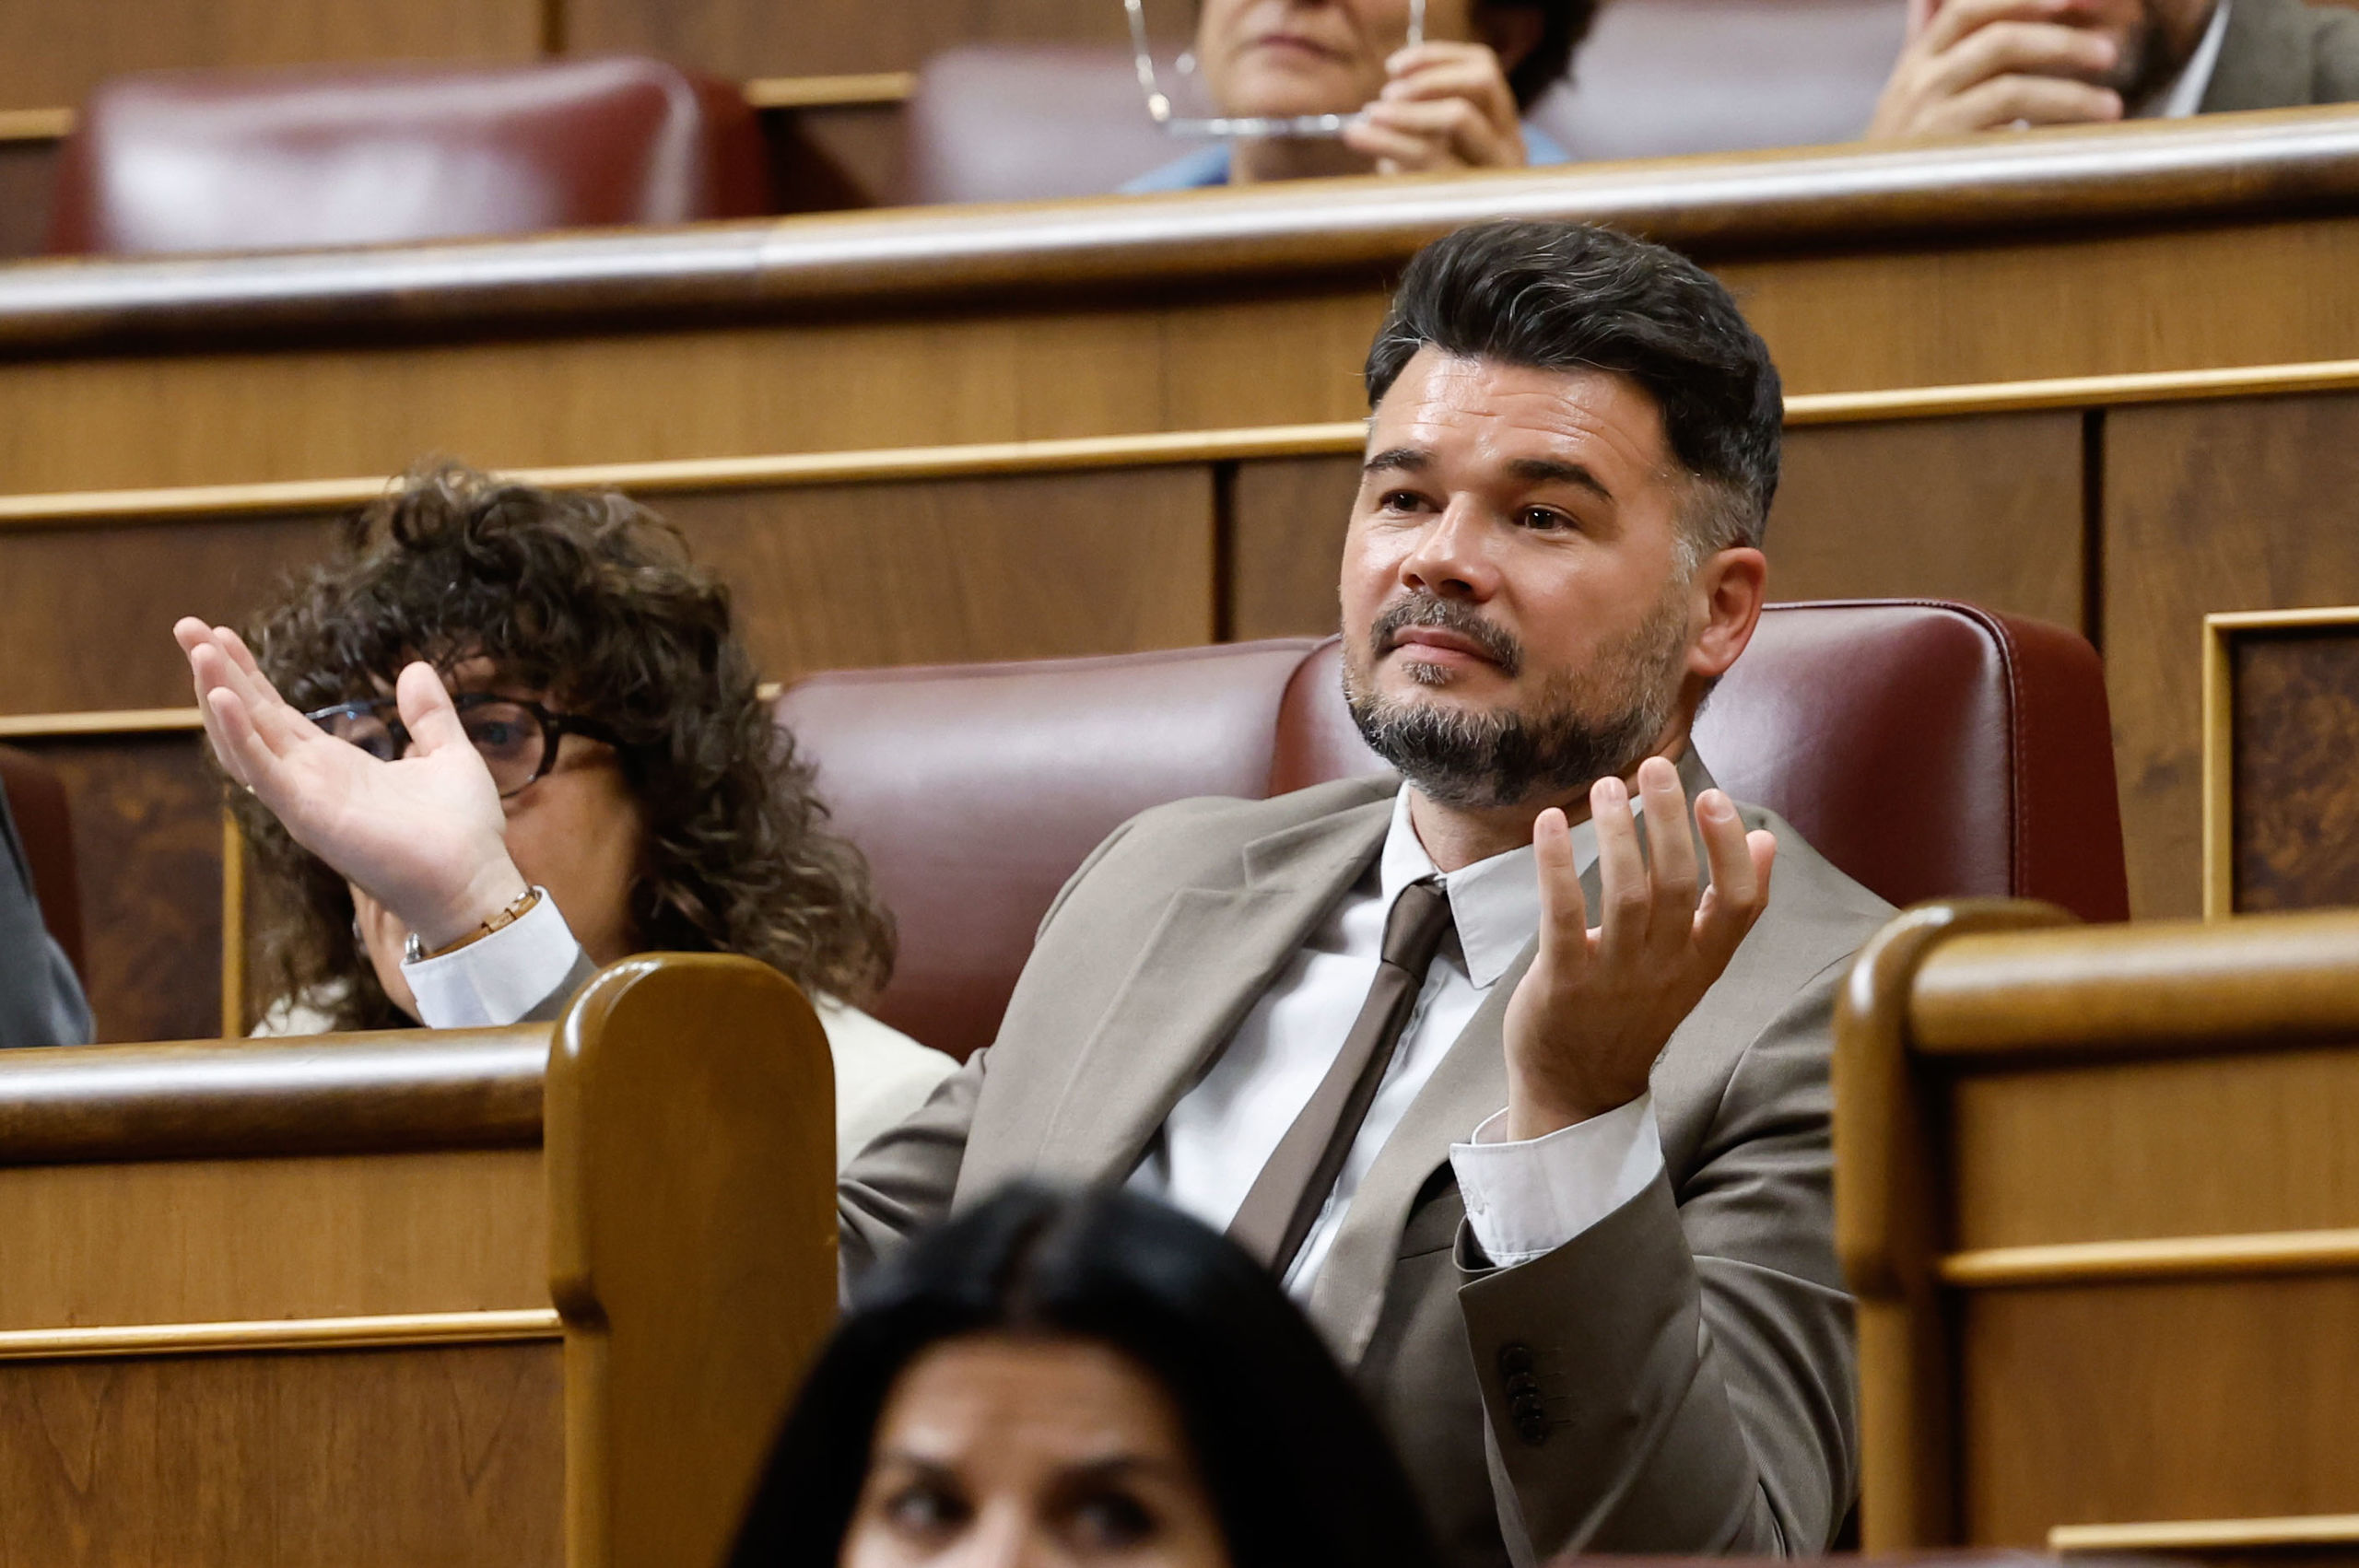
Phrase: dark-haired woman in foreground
(1079,1378)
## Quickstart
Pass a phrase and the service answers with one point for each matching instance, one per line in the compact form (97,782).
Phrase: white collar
(1495,904)
(2184,96)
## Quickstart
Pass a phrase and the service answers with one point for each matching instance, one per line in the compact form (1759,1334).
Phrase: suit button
(1534,1432)
(1515,1360)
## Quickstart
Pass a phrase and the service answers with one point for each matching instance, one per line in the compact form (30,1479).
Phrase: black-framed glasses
(517,738)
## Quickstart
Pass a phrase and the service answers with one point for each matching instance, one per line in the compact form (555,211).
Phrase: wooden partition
(2106,376)
(2096,1191)
(2281,727)
(503,1297)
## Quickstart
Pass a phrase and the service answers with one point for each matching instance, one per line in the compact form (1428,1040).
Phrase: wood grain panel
(203,1241)
(1287,519)
(348,1459)
(832,156)
(2228,1399)
(1985,510)
(86,614)
(818,38)
(2236,504)
(2208,1146)
(1020,567)
(52,51)
(2294,797)
(234,417)
(147,846)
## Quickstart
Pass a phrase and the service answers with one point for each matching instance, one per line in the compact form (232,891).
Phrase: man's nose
(1451,558)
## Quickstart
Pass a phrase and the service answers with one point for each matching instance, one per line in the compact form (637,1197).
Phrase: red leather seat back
(45,827)
(1013,122)
(1930,750)
(976,789)
(241,160)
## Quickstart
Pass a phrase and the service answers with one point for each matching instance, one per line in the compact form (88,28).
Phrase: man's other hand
(425,835)
(1599,1004)
(1980,64)
(1444,106)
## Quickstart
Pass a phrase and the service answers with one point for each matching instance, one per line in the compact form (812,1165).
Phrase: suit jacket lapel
(1468,1086)
(2266,58)
(1210,958)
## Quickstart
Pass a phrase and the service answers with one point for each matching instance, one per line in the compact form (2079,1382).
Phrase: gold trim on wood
(122,721)
(2200,1535)
(878,88)
(780,470)
(59,508)
(282,1334)
(233,928)
(2165,1257)
(35,124)
(2220,736)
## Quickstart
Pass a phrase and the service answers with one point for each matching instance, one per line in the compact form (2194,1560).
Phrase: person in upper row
(1455,102)
(583,710)
(1985,64)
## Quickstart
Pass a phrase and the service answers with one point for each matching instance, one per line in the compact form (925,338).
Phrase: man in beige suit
(1558,1196)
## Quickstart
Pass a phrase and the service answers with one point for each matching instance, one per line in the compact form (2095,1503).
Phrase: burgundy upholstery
(37,802)
(1929,749)
(220,161)
(1014,123)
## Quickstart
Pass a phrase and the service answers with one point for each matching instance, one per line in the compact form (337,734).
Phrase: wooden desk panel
(369,1458)
(2292,731)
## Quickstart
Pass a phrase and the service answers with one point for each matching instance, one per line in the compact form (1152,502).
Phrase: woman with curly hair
(564,684)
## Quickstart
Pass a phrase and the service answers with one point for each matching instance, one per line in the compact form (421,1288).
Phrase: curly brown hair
(592,599)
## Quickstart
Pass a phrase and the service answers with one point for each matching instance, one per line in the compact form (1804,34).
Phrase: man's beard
(1603,720)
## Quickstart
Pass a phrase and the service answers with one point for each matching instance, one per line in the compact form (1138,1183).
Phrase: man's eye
(1112,1521)
(1546,517)
(925,1508)
(1403,501)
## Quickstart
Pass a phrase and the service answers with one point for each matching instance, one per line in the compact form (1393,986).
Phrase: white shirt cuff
(497,979)
(1526,1199)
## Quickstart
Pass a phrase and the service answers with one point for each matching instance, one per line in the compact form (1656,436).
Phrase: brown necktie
(1286,1199)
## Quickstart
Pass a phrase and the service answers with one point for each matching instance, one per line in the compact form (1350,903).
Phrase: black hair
(1570,296)
(1563,23)
(1291,1457)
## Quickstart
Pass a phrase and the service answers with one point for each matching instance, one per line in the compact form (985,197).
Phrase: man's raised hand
(1599,1004)
(425,834)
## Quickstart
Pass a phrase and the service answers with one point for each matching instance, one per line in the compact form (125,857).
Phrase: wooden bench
(2097,1190)
(502,1298)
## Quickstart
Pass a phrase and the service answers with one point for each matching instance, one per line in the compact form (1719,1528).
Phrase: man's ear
(1512,31)
(1726,592)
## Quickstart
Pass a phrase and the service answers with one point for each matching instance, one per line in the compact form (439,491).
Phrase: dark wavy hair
(1563,25)
(1554,296)
(1295,1466)
(592,599)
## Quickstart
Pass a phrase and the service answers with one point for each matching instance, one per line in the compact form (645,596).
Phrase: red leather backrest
(241,160)
(1930,750)
(37,802)
(976,789)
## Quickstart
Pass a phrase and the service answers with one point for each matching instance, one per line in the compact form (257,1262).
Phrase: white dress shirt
(882,1075)
(1522,1199)
(2184,95)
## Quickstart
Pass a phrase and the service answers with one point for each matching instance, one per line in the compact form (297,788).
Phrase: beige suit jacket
(1691,1353)
(2281,54)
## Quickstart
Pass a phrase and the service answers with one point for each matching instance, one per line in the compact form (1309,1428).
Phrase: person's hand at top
(425,834)
(1983,64)
(1444,106)
(1599,1003)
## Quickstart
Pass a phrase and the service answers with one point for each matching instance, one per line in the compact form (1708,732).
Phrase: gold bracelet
(518,907)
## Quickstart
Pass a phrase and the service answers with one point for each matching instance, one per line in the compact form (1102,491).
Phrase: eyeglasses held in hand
(1240,127)
(517,739)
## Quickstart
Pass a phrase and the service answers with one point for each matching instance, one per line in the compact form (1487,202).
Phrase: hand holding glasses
(1240,127)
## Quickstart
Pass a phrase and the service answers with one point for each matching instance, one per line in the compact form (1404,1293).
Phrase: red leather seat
(36,803)
(1930,750)
(242,161)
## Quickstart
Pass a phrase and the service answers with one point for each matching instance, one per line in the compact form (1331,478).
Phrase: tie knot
(1420,917)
